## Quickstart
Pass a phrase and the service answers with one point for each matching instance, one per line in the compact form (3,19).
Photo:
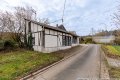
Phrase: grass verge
(112,52)
(22,62)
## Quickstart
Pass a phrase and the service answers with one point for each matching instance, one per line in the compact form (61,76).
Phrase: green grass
(117,48)
(112,51)
(19,63)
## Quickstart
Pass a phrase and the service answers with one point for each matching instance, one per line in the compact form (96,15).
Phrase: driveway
(84,65)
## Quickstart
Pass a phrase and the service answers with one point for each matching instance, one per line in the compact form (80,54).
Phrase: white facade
(48,39)
(104,39)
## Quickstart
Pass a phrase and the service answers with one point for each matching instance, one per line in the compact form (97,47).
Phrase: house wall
(59,39)
(53,41)
(50,38)
(50,41)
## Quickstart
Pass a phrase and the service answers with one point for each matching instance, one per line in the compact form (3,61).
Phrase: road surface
(84,65)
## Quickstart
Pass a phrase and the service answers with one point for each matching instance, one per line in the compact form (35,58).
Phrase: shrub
(89,40)
(10,44)
(117,40)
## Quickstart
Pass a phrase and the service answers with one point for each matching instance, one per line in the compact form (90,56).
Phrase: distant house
(104,39)
(46,38)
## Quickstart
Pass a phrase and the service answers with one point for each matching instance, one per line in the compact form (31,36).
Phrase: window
(74,40)
(66,40)
(63,40)
(69,41)
(29,27)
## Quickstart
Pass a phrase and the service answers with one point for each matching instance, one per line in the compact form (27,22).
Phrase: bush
(7,44)
(117,40)
(89,40)
(10,44)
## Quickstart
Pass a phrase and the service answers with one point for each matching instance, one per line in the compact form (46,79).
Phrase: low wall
(53,49)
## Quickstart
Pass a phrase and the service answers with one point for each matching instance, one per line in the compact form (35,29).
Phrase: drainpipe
(25,36)
(43,39)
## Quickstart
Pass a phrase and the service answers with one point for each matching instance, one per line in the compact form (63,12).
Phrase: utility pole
(92,30)
(63,11)
(62,16)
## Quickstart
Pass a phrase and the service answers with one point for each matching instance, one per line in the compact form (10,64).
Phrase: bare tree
(22,13)
(116,20)
(6,22)
(102,33)
(44,20)
(1,25)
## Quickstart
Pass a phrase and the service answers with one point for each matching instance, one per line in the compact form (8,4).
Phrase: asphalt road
(83,66)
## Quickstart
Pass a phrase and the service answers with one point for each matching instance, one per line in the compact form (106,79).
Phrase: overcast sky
(80,15)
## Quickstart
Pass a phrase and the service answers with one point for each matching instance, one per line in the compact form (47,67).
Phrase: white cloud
(81,3)
(13,2)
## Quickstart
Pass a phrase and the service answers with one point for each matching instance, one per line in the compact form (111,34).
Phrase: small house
(45,38)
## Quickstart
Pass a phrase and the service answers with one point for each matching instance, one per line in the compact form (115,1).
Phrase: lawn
(112,51)
(117,48)
(19,63)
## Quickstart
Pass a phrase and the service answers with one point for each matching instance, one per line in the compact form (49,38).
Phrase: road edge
(104,73)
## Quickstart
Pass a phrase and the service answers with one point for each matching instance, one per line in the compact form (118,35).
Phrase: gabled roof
(60,28)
